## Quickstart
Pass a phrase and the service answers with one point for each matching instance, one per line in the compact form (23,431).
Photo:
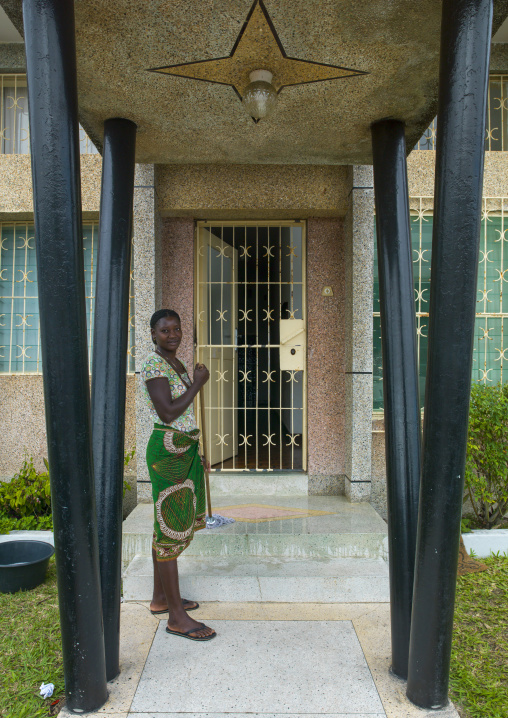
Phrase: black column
(54,141)
(465,49)
(111,331)
(400,374)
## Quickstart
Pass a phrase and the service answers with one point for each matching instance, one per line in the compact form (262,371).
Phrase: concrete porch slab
(248,715)
(250,578)
(277,667)
(349,530)
(371,623)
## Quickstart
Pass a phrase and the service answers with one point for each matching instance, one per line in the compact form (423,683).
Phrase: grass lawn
(479,668)
(30,649)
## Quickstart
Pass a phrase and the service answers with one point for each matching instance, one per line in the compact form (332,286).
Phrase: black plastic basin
(23,564)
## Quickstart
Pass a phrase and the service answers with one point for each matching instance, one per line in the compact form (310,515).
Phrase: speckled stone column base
(378,493)
(358,310)
(148,300)
(320,485)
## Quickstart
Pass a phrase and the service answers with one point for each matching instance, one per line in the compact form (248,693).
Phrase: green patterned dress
(175,468)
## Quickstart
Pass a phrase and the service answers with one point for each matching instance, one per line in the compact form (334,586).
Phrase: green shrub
(25,501)
(487,454)
(128,457)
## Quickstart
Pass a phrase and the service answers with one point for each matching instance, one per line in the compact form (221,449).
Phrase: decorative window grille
(497,114)
(19,307)
(14,130)
(428,140)
(490,354)
(14,115)
(496,130)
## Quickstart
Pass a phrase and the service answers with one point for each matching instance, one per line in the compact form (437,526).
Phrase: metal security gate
(250,332)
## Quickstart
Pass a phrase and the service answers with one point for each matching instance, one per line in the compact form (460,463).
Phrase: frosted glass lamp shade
(260,96)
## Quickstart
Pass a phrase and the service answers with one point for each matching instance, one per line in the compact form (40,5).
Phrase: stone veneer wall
(12,57)
(177,249)
(147,279)
(16,203)
(24,424)
(420,170)
(325,356)
(251,191)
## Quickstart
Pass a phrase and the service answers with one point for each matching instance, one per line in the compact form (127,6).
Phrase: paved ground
(277,654)
(268,660)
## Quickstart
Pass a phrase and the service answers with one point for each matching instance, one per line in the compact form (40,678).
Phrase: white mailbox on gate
(292,344)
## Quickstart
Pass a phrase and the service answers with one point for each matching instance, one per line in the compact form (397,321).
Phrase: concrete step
(276,579)
(347,531)
(262,483)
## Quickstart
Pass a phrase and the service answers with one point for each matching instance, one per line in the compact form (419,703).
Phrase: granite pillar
(359,260)
(325,356)
(147,277)
(177,272)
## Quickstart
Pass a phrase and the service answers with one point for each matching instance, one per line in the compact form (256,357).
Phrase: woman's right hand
(201,374)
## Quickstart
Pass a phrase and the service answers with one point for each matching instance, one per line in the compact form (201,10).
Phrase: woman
(176,470)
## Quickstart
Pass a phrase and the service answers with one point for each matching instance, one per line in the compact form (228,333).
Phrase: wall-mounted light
(260,96)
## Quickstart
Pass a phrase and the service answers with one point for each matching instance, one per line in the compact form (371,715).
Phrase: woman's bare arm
(168,408)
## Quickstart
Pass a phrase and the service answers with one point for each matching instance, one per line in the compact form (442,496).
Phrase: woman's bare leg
(159,602)
(178,620)
(159,598)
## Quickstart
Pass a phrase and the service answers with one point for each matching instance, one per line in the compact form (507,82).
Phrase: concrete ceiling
(502,34)
(181,120)
(8,32)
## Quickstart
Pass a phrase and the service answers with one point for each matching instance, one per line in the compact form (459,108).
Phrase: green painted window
(490,353)
(19,305)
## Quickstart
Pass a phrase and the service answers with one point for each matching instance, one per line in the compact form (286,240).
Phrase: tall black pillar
(54,141)
(465,49)
(400,374)
(111,330)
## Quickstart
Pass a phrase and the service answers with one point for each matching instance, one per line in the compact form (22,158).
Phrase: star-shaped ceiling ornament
(258,47)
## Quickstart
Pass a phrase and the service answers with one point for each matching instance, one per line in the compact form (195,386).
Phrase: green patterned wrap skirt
(178,489)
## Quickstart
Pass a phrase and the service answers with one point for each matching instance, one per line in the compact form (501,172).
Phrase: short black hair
(161,314)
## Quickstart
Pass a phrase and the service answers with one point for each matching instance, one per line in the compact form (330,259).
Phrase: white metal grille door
(250,333)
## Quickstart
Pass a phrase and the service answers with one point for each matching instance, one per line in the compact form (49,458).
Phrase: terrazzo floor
(267,661)
(255,513)
(280,667)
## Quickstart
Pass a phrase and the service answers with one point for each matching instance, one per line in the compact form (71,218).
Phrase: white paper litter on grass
(47,689)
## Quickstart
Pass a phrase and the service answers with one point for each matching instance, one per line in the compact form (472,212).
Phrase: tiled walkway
(298,594)
(278,667)
(268,661)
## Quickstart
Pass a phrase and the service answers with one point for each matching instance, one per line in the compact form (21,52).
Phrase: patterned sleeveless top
(155,367)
